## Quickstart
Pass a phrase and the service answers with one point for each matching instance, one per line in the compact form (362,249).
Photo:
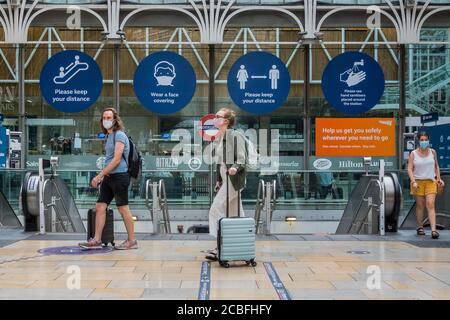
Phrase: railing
(156,202)
(52,207)
(370,205)
(265,202)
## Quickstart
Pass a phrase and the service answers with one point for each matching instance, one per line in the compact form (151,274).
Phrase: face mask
(217,122)
(107,124)
(424,144)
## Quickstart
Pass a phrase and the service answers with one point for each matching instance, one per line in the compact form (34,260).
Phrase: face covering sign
(353,82)
(164,82)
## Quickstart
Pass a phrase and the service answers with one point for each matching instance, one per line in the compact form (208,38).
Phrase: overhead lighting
(290,219)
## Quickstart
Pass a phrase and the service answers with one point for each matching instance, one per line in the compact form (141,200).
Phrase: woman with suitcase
(115,181)
(230,153)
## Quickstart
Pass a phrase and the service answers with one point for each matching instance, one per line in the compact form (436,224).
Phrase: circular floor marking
(75,250)
(358,252)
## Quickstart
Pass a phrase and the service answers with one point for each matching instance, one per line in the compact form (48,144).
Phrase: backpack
(252,159)
(134,161)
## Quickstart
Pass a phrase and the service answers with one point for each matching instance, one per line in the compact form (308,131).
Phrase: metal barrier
(156,202)
(44,193)
(266,203)
(374,205)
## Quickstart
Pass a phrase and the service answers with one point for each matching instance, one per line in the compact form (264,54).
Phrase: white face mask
(107,124)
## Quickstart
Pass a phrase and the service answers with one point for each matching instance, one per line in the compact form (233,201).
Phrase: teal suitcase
(236,238)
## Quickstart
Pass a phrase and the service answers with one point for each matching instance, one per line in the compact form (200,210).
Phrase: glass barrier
(295,190)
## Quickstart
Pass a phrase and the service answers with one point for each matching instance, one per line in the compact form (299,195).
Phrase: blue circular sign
(71,81)
(353,82)
(259,82)
(164,82)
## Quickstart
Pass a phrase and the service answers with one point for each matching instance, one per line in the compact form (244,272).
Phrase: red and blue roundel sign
(71,81)
(353,82)
(207,129)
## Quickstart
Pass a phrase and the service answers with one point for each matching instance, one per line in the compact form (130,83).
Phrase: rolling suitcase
(108,230)
(236,238)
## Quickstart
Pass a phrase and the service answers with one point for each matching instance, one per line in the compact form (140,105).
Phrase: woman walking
(425,176)
(231,159)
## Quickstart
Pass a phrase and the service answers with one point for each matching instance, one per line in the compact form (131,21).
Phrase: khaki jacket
(233,154)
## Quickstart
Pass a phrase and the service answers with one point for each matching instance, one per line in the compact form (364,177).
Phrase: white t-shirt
(424,166)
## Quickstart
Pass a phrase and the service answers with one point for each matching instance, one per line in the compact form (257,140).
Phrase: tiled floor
(170,269)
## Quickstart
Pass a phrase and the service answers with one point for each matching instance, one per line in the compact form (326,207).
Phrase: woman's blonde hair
(118,124)
(230,115)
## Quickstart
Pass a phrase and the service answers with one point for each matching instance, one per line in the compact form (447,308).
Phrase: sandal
(434,234)
(420,231)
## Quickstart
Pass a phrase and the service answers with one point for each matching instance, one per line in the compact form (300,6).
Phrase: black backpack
(134,161)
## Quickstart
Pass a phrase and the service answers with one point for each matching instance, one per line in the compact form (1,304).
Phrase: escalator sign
(71,81)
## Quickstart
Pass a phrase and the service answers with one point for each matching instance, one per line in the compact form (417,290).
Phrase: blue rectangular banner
(3,147)
(440,141)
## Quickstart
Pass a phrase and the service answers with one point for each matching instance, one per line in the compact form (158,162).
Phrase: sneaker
(91,244)
(127,245)
(211,257)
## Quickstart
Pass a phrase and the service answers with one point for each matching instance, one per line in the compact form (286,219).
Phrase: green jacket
(237,160)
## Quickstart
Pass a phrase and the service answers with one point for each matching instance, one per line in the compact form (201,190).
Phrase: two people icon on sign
(274,76)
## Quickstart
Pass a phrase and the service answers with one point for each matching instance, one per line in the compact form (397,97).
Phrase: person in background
(424,174)
(325,179)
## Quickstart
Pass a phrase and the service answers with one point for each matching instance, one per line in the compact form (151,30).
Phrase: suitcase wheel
(251,262)
(105,244)
(225,264)
(113,244)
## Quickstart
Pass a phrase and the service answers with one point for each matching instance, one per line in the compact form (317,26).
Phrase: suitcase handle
(228,198)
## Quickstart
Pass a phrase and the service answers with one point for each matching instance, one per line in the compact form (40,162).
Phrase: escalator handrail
(260,196)
(163,204)
(147,194)
(274,195)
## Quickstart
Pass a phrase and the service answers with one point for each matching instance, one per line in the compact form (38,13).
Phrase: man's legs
(128,220)
(100,219)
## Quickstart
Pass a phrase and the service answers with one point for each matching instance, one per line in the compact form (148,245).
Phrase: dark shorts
(115,186)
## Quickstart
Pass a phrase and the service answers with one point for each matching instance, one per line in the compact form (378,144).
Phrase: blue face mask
(424,144)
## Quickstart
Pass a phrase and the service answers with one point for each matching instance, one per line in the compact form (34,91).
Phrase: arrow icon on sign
(259,77)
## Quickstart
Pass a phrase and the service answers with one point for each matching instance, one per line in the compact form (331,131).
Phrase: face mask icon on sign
(164,73)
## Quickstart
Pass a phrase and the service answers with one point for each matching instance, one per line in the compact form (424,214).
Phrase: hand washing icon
(164,73)
(353,76)
(67,73)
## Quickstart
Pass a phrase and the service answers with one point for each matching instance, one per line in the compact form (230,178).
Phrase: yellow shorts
(425,187)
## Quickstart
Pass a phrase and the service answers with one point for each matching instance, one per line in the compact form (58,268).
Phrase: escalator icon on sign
(67,73)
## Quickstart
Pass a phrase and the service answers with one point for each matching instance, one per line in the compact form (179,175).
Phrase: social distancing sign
(71,81)
(259,82)
(355,137)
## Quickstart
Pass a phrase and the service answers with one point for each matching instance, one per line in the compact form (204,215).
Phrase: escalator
(8,217)
(60,210)
(442,206)
(361,215)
